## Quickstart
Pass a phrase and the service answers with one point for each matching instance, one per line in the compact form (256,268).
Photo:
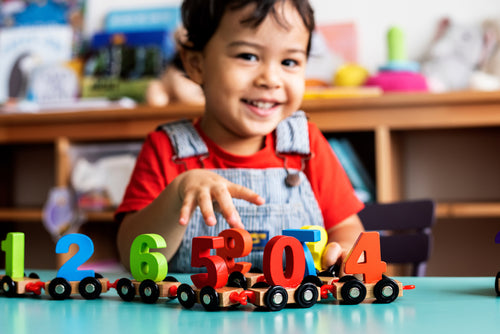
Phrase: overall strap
(292,135)
(185,140)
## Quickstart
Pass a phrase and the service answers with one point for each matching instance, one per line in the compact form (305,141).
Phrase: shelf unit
(389,120)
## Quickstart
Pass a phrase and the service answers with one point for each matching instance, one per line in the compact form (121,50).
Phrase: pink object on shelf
(399,81)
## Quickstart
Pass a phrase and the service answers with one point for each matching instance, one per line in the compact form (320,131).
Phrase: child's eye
(247,56)
(290,63)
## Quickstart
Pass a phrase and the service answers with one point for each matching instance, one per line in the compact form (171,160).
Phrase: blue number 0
(69,270)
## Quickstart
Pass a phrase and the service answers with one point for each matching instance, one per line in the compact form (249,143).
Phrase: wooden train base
(349,290)
(19,286)
(59,288)
(274,298)
(149,290)
(288,277)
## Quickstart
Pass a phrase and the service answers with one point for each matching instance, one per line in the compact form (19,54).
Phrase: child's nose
(268,77)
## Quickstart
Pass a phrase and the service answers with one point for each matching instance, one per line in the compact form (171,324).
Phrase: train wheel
(353,292)
(260,285)
(59,288)
(347,278)
(312,279)
(186,295)
(149,291)
(209,298)
(306,295)
(237,280)
(276,298)
(171,279)
(90,288)
(332,271)
(34,275)
(386,290)
(125,289)
(497,284)
(8,286)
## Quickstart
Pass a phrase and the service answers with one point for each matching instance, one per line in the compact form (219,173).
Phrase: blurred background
(83,81)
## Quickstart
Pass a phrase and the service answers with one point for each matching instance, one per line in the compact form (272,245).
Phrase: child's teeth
(262,105)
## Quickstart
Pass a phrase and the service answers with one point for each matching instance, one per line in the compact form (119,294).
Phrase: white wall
(418,18)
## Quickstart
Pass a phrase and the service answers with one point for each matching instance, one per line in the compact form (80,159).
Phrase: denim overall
(286,206)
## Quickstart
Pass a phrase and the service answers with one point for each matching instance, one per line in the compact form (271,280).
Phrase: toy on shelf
(350,75)
(487,76)
(399,74)
(452,56)
(174,85)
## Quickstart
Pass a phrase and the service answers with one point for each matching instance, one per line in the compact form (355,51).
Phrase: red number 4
(372,267)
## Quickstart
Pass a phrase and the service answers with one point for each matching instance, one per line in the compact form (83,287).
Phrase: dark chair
(405,231)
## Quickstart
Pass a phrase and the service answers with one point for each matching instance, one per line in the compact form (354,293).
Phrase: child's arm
(169,213)
(341,238)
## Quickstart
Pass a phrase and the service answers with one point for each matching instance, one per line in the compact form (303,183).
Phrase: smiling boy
(233,166)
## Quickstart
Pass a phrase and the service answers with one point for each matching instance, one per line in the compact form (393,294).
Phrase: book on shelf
(27,50)
(361,180)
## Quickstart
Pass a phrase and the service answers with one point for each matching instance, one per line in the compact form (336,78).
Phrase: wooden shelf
(35,215)
(468,210)
(443,210)
(21,215)
(391,111)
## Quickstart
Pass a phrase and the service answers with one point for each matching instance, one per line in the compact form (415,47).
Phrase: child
(251,161)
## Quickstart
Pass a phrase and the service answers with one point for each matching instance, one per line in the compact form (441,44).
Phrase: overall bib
(286,206)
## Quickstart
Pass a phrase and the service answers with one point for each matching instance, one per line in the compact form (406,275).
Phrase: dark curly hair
(201,18)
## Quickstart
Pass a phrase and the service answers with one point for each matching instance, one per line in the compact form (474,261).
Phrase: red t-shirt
(155,169)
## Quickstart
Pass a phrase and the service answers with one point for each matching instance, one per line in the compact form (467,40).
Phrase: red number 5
(216,275)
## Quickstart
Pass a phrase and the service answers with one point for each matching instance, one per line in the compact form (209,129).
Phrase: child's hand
(333,254)
(342,237)
(205,189)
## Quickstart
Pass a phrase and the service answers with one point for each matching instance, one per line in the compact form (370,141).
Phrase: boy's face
(252,77)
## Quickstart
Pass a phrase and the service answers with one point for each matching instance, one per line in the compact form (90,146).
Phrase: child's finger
(206,207)
(226,206)
(332,254)
(188,206)
(238,191)
(229,211)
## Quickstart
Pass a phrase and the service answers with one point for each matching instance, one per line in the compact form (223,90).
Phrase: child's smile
(261,108)
(253,77)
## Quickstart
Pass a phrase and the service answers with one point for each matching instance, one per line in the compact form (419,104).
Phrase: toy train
(289,275)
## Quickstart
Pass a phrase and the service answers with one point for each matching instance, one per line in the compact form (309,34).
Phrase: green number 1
(13,246)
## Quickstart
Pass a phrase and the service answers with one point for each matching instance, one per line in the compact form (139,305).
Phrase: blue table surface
(436,305)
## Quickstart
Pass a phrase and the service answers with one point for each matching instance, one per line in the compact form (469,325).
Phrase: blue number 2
(69,270)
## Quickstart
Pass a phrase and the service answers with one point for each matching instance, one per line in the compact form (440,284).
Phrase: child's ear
(193,64)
